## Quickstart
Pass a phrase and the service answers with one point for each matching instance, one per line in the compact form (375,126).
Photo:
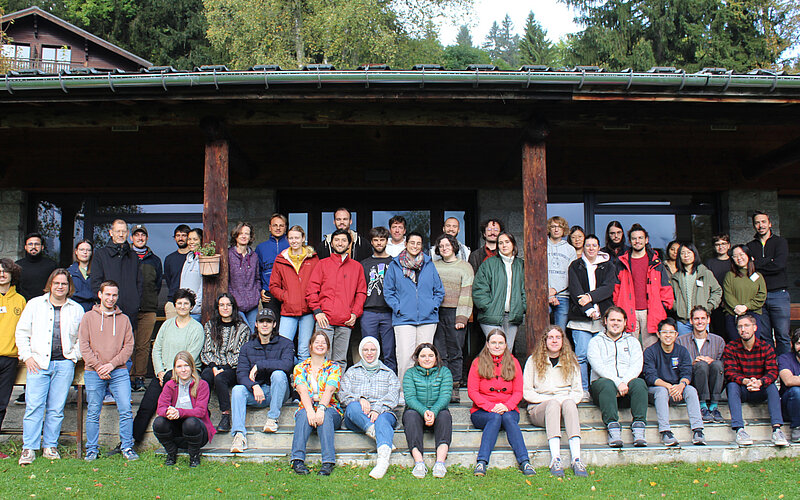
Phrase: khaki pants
(141,345)
(549,414)
(169,310)
(406,340)
(646,338)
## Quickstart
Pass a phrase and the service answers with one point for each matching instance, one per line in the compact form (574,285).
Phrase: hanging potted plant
(209,259)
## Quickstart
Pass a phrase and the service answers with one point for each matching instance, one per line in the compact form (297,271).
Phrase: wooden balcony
(45,66)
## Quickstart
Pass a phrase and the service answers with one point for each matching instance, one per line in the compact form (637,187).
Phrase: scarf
(370,367)
(410,264)
(297,260)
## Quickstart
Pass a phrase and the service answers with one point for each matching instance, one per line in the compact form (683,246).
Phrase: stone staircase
(354,448)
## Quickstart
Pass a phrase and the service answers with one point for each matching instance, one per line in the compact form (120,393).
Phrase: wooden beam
(784,156)
(534,195)
(215,210)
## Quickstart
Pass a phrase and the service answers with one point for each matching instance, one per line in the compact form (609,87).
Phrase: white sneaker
(439,469)
(108,399)
(239,443)
(420,470)
(587,397)
(271,425)
(382,465)
(370,432)
(743,438)
(28,456)
(51,454)
(778,439)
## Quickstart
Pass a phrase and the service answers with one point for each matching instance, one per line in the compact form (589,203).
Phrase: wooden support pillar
(215,208)
(534,195)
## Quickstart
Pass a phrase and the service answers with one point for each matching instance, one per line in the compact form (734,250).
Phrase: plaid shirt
(757,363)
(381,387)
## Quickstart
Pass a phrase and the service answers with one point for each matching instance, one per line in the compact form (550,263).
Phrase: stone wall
(506,205)
(12,223)
(740,205)
(253,206)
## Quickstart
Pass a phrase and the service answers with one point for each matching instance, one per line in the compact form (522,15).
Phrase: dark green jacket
(152,272)
(428,388)
(489,291)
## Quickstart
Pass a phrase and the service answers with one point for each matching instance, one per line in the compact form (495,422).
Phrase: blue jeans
(303,326)
(356,420)
(196,317)
(491,423)
(250,317)
(790,401)
(737,394)
(45,397)
(120,386)
(275,394)
(775,316)
(326,431)
(560,311)
(379,325)
(684,327)
(581,339)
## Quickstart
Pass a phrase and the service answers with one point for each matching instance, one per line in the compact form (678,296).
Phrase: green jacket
(708,295)
(489,291)
(428,388)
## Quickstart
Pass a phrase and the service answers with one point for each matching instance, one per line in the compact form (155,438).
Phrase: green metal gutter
(726,83)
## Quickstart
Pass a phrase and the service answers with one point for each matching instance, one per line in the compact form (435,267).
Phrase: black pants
(189,433)
(449,340)
(414,426)
(8,373)
(148,406)
(222,384)
(707,379)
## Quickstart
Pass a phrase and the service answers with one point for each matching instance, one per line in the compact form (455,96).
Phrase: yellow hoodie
(11,306)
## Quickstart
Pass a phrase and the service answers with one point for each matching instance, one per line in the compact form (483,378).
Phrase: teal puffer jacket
(428,388)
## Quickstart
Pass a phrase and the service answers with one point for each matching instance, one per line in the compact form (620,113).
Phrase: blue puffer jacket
(413,304)
(83,288)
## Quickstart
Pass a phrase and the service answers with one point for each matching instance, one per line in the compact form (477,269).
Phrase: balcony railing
(46,66)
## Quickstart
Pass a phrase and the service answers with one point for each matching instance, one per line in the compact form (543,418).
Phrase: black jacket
(360,251)
(770,260)
(151,280)
(119,263)
(605,279)
(277,355)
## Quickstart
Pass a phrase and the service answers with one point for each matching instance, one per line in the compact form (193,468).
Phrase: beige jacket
(553,385)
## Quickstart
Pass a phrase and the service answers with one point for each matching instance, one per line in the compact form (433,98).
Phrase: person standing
(290,276)
(576,238)
(358,249)
(397,233)
(643,289)
(743,291)
(244,281)
(267,252)
(377,318)
(414,291)
(173,265)
(456,308)
(47,341)
(81,270)
(705,350)
(490,230)
(11,306)
(35,267)
(719,265)
(692,285)
(191,279)
(670,261)
(771,253)
(118,262)
(152,274)
(336,292)
(560,255)
(106,343)
(452,227)
(615,240)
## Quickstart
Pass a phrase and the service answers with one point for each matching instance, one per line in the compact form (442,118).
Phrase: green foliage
(424,50)
(503,45)
(534,47)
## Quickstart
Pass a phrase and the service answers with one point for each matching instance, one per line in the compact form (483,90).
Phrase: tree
(534,47)
(464,38)
(502,44)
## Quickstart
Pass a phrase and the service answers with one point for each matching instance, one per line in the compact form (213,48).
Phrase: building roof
(71,27)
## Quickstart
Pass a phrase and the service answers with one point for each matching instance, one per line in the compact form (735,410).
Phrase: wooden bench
(78,383)
(795,316)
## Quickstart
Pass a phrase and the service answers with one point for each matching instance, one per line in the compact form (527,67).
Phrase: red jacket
(660,297)
(508,392)
(169,396)
(289,286)
(337,288)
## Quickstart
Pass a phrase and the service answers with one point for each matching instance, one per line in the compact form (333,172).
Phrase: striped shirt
(712,347)
(759,362)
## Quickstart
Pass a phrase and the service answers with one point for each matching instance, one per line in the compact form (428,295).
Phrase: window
(14,51)
(328,225)
(416,220)
(57,54)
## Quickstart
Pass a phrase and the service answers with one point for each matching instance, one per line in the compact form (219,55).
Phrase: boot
(194,457)
(456,397)
(384,452)
(172,453)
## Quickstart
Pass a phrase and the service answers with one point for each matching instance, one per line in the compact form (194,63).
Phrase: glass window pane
(48,53)
(328,226)
(573,212)
(459,215)
(48,224)
(299,219)
(416,220)
(165,208)
(661,228)
(63,55)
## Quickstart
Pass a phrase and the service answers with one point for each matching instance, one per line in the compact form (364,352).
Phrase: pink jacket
(485,393)
(169,396)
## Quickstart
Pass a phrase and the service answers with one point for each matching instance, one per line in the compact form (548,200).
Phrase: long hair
(567,358)
(216,319)
(751,265)
(238,229)
(187,357)
(75,254)
(679,263)
(486,363)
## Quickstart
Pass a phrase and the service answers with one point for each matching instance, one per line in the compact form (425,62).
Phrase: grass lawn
(148,478)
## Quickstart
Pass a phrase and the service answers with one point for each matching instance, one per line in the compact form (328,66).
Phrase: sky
(556,18)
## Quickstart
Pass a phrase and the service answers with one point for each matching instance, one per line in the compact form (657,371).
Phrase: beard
(182,244)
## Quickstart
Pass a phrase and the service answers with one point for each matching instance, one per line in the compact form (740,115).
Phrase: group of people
(639,324)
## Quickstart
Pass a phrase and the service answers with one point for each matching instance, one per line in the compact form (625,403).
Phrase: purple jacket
(244,280)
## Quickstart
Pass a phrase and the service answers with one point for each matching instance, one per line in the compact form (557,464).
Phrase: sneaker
(455,398)
(137,384)
(224,424)
(587,397)
(527,468)
(130,455)
(638,428)
(3,455)
(271,425)
(439,469)
(778,439)
(705,413)
(299,467)
(668,439)
(109,400)
(239,443)
(91,455)
(579,469)
(480,469)
(556,469)
(27,456)
(796,435)
(326,469)
(115,450)
(20,399)
(743,438)
(420,470)
(51,454)
(717,416)
(698,437)
(614,435)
